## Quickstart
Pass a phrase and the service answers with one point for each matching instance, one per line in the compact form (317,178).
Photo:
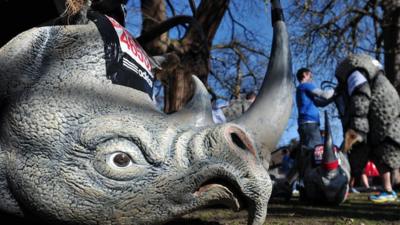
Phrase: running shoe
(384,197)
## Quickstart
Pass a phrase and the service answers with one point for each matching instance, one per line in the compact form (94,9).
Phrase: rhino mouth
(218,193)
(222,192)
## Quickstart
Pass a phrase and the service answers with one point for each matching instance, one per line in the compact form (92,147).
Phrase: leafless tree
(230,61)
(326,31)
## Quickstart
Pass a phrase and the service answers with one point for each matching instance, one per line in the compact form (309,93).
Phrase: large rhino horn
(329,159)
(266,119)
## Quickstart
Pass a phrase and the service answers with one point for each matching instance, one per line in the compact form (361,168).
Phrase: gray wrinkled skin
(64,126)
(384,119)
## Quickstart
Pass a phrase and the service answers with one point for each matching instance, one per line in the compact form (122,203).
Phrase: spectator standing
(308,99)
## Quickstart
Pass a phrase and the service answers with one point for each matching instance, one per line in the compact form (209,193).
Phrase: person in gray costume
(369,107)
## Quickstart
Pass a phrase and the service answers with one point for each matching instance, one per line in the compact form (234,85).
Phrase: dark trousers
(310,135)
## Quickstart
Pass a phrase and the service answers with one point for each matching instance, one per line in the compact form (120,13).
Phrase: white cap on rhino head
(358,61)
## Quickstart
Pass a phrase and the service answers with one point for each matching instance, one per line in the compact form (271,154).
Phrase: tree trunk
(209,14)
(193,50)
(177,91)
(391,38)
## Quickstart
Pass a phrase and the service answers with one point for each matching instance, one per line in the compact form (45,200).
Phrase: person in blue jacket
(308,98)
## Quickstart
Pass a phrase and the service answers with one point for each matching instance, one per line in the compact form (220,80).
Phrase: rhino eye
(121,159)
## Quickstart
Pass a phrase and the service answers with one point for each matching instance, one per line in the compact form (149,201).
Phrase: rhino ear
(197,111)
(20,60)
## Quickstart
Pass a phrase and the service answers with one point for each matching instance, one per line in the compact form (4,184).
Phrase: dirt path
(356,210)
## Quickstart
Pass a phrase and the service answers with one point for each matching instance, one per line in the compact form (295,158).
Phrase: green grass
(357,210)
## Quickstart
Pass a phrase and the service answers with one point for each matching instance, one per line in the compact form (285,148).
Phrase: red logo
(319,151)
(130,46)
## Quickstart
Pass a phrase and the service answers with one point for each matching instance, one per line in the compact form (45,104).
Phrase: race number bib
(127,63)
(319,152)
(134,57)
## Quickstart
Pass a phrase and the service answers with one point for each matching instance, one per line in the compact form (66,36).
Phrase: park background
(321,34)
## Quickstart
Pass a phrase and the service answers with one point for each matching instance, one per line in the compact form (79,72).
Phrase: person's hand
(350,138)
(331,93)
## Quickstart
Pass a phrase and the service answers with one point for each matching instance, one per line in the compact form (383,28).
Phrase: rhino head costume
(326,175)
(77,148)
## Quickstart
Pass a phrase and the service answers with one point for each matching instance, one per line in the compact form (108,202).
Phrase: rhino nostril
(237,138)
